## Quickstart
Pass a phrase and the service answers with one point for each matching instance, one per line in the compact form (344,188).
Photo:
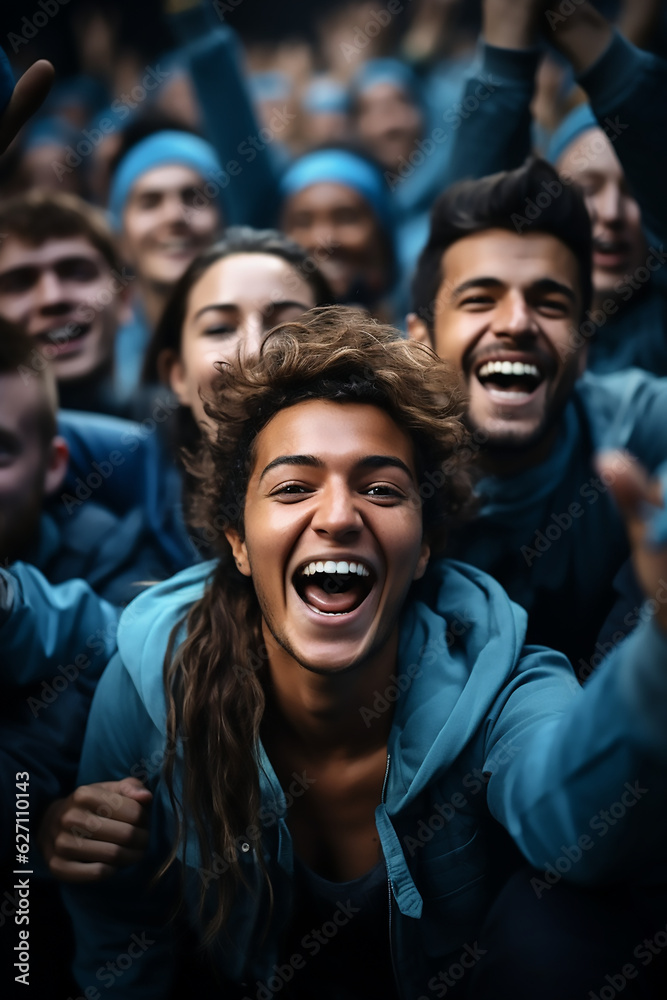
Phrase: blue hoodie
(484,729)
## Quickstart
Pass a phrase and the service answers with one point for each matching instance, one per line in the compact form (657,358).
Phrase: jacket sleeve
(123,925)
(494,129)
(249,180)
(52,630)
(55,641)
(111,460)
(584,788)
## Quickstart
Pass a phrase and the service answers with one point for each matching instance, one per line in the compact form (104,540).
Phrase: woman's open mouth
(333,587)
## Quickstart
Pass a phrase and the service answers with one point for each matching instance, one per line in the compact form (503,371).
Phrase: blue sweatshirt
(55,641)
(484,730)
(552,534)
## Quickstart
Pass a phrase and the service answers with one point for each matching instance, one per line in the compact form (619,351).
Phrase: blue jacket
(126,466)
(55,640)
(552,535)
(485,731)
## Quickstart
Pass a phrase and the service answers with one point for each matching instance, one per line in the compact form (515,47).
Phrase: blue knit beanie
(573,125)
(158,150)
(338,166)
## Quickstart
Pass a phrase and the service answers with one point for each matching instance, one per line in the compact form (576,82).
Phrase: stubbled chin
(513,419)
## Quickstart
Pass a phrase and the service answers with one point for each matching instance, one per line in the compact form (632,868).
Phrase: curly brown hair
(215,699)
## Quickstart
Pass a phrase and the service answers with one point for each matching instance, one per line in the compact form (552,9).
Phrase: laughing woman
(334,745)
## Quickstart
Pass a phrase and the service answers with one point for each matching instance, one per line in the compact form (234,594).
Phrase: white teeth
(508,368)
(334,567)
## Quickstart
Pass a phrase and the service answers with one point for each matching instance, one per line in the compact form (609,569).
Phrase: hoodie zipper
(389,890)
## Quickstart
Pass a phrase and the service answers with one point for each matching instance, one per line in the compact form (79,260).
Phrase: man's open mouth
(610,252)
(61,336)
(332,587)
(515,379)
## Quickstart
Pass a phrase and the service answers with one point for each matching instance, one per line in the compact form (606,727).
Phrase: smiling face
(388,123)
(504,317)
(619,246)
(333,533)
(338,227)
(64,295)
(233,305)
(165,225)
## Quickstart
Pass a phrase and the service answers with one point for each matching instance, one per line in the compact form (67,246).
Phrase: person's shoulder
(148,622)
(624,407)
(163,603)
(622,396)
(460,592)
(610,387)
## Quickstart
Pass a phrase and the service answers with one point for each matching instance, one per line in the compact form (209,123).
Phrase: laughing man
(504,308)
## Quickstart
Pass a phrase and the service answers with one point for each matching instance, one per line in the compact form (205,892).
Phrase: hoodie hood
(145,627)
(461,637)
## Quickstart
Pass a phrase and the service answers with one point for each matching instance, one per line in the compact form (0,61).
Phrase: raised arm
(213,56)
(495,125)
(626,88)
(591,780)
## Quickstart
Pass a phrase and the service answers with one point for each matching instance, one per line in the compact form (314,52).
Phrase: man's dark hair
(500,201)
(37,216)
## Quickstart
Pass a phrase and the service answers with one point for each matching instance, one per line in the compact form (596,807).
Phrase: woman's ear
(422,562)
(171,372)
(56,469)
(418,330)
(239,551)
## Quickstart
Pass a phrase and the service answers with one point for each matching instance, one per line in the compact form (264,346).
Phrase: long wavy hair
(215,680)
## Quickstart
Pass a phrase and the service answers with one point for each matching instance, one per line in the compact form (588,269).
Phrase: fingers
(75,871)
(29,94)
(96,830)
(79,826)
(638,496)
(132,788)
(107,800)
